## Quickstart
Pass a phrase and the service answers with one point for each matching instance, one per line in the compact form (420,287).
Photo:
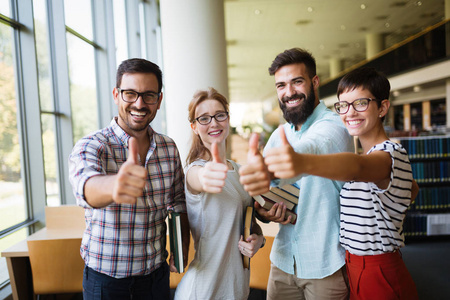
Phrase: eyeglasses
(360,105)
(206,119)
(131,96)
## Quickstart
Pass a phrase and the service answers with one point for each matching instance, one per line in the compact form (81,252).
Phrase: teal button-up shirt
(310,248)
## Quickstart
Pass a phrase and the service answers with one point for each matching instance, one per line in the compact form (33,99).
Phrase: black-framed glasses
(360,105)
(131,96)
(206,119)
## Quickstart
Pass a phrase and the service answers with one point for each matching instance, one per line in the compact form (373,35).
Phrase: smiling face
(135,117)
(364,123)
(214,131)
(297,92)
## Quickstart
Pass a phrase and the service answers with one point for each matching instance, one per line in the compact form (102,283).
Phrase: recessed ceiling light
(363,6)
(387,25)
(310,9)
(419,3)
(417,88)
(257,12)
(343,27)
(396,93)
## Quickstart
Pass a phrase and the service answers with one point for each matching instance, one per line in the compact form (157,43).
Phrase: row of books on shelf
(426,224)
(432,198)
(431,171)
(288,194)
(426,147)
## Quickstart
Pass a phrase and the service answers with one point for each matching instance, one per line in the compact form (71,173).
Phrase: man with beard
(307,259)
(126,197)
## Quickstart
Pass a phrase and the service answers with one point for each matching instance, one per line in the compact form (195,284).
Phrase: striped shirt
(372,218)
(123,240)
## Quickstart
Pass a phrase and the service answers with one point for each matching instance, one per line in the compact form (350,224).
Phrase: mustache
(293,97)
(144,110)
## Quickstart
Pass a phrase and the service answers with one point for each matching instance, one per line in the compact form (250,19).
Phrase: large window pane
(78,16)
(82,87)
(12,199)
(120,31)
(5,8)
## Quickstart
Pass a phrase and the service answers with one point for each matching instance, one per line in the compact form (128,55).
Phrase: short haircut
(367,78)
(294,56)
(138,65)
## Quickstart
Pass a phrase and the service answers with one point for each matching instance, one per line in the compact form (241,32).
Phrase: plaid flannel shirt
(123,240)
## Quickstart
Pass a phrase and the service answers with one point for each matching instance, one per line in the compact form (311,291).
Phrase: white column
(374,44)
(336,66)
(194,57)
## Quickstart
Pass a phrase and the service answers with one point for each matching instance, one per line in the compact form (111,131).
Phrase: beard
(126,119)
(299,114)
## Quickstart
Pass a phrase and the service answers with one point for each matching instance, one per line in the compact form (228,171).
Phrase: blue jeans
(155,286)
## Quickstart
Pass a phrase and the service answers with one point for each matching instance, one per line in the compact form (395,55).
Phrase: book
(267,204)
(176,242)
(248,221)
(288,192)
(270,195)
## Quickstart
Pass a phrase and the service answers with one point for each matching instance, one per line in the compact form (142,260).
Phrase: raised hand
(130,180)
(254,176)
(212,176)
(283,161)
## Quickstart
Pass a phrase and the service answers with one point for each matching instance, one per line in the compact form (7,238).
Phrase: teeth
(215,132)
(136,113)
(354,122)
(293,101)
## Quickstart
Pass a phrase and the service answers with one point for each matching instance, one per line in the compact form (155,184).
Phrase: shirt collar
(123,136)
(318,110)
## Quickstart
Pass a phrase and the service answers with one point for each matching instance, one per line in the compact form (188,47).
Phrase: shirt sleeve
(85,161)
(179,197)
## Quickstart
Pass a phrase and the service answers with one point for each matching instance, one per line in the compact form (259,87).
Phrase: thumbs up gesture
(212,176)
(254,176)
(283,161)
(130,180)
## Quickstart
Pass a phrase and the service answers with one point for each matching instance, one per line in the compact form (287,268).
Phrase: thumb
(253,144)
(215,153)
(133,150)
(283,138)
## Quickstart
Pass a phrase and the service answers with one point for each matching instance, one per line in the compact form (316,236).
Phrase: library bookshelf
(429,214)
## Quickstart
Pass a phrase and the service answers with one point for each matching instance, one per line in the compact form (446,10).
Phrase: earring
(379,116)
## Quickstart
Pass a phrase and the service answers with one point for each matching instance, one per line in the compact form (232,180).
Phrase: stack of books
(288,194)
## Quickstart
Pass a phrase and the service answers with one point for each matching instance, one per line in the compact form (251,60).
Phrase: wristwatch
(263,243)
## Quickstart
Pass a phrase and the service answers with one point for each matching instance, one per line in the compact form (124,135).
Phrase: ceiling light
(419,3)
(387,25)
(417,88)
(363,6)
(343,27)
(257,12)
(321,47)
(310,9)
(396,93)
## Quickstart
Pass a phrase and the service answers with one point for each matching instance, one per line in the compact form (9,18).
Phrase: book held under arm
(176,241)
(248,221)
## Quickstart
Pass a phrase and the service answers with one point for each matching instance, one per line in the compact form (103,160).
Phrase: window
(75,59)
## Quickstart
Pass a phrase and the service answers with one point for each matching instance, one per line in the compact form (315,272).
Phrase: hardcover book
(176,242)
(248,218)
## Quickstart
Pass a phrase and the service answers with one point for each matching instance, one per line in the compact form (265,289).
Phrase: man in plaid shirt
(126,176)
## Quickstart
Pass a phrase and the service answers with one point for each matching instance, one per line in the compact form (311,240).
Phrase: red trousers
(383,276)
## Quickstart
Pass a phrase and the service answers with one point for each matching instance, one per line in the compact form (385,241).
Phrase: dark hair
(294,56)
(367,78)
(138,65)
(198,149)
